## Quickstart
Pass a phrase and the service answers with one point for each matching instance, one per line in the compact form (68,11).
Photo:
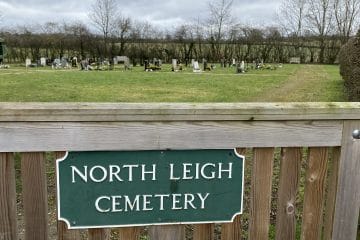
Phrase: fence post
(33,178)
(170,232)
(348,192)
(8,226)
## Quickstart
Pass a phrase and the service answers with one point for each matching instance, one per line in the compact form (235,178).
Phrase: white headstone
(174,63)
(43,62)
(242,66)
(234,62)
(196,67)
(116,61)
(193,62)
(27,62)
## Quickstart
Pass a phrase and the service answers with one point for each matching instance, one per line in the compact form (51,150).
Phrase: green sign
(115,189)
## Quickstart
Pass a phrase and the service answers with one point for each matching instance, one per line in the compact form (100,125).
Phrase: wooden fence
(303,164)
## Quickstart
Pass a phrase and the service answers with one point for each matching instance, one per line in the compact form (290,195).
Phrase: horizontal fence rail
(301,172)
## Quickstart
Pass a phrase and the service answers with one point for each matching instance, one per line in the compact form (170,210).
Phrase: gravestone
(193,62)
(196,67)
(27,62)
(116,62)
(174,65)
(234,62)
(43,62)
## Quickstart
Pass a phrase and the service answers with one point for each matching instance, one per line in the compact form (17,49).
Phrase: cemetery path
(296,86)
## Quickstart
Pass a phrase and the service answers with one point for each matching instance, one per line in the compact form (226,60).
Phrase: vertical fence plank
(8,226)
(204,231)
(99,234)
(131,233)
(62,230)
(232,231)
(170,232)
(348,191)
(34,196)
(314,193)
(331,195)
(261,193)
(288,187)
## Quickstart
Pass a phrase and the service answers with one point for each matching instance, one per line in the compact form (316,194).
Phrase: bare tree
(220,19)
(291,16)
(104,15)
(122,31)
(319,20)
(346,13)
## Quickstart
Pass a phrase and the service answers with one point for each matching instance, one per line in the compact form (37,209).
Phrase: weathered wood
(131,233)
(169,232)
(35,202)
(204,232)
(331,193)
(99,234)
(261,193)
(314,193)
(63,232)
(8,224)
(288,187)
(176,111)
(175,135)
(348,191)
(232,231)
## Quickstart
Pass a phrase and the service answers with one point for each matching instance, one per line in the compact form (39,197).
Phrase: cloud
(158,12)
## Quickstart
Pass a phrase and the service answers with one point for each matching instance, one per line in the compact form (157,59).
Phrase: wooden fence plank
(331,194)
(348,190)
(34,196)
(168,232)
(99,112)
(131,233)
(204,232)
(261,193)
(288,187)
(314,193)
(63,232)
(82,136)
(8,225)
(99,234)
(232,231)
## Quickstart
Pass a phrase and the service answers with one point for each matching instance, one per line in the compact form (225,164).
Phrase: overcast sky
(165,13)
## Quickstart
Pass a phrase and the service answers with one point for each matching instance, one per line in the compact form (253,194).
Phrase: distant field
(289,83)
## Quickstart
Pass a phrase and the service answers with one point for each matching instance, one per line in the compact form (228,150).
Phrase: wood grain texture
(131,233)
(331,193)
(232,231)
(348,191)
(99,234)
(63,232)
(261,193)
(288,187)
(33,176)
(168,232)
(176,111)
(314,193)
(161,135)
(204,232)
(8,223)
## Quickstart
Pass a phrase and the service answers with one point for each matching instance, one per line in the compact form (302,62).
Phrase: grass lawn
(290,83)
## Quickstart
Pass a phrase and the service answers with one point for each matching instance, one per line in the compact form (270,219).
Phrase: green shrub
(349,58)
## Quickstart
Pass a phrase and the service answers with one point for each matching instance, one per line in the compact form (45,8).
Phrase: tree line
(311,30)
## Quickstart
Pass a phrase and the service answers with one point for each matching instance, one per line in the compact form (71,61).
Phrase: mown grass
(220,85)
